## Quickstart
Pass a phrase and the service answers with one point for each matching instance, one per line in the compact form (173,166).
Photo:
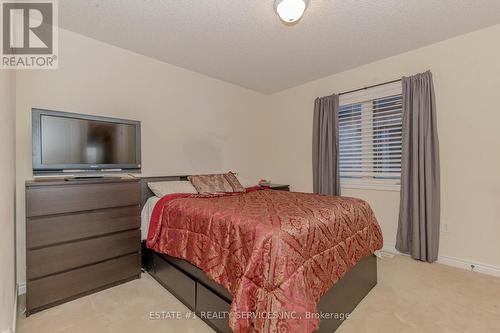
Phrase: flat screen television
(66,142)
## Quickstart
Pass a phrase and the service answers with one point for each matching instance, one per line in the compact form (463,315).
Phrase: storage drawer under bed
(185,284)
(178,283)
(212,308)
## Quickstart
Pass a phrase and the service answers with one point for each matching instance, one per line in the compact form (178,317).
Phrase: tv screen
(64,141)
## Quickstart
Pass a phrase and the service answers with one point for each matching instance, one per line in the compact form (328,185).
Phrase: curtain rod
(373,86)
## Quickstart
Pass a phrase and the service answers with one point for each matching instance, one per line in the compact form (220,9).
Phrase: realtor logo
(29,34)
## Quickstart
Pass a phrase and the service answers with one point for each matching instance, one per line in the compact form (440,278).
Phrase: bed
(209,289)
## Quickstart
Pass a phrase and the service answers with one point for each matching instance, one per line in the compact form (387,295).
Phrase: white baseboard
(14,319)
(469,265)
(21,288)
(391,248)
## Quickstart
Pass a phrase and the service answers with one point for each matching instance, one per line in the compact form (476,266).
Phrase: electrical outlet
(445,228)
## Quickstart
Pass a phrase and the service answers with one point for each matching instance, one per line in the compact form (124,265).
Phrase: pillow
(215,184)
(234,182)
(161,189)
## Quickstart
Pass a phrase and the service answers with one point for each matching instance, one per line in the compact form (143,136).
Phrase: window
(370,133)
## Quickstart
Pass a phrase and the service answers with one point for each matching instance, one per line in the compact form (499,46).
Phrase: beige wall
(7,179)
(466,73)
(190,123)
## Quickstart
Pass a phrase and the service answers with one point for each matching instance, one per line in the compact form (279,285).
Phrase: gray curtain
(326,145)
(419,211)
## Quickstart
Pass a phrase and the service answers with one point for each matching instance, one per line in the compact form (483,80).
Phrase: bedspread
(276,252)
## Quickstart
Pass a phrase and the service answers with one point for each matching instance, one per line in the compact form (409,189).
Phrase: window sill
(389,186)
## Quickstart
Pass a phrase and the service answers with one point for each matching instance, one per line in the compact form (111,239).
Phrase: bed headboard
(146,193)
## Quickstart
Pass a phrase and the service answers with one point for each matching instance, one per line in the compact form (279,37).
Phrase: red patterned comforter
(276,252)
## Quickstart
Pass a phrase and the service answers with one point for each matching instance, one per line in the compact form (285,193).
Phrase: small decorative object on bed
(264,182)
(216,183)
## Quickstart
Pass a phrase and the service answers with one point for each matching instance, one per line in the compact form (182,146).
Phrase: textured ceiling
(244,42)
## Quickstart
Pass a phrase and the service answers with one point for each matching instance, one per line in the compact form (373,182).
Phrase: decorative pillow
(161,189)
(234,182)
(218,183)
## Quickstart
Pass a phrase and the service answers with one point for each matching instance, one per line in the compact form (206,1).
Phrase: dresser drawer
(43,231)
(65,286)
(59,199)
(58,258)
(178,283)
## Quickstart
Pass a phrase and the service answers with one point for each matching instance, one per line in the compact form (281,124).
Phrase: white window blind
(370,128)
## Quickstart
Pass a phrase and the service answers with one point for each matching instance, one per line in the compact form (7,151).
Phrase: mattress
(146,213)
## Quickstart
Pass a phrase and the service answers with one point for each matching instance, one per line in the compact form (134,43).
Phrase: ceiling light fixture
(290,10)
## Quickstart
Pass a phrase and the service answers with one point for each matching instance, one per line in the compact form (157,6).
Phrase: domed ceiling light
(290,11)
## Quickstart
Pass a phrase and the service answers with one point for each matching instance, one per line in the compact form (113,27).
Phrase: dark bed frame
(200,294)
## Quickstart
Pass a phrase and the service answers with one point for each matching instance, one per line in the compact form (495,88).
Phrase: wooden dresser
(81,237)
